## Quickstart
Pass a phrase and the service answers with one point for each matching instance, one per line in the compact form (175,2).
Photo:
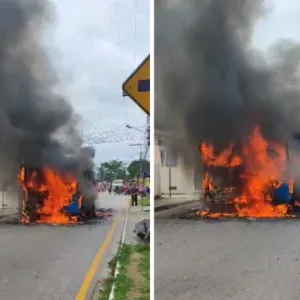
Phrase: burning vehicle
(256,183)
(49,198)
(59,196)
(53,198)
(237,105)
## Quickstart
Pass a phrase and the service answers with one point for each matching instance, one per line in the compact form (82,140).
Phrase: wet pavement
(40,262)
(234,259)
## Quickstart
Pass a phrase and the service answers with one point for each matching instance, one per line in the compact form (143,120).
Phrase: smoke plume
(212,84)
(37,124)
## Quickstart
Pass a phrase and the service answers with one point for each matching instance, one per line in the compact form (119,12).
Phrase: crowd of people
(131,188)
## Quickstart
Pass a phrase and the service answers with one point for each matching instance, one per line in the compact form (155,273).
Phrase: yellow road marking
(82,293)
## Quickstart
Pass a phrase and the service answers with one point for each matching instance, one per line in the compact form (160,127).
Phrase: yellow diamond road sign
(137,86)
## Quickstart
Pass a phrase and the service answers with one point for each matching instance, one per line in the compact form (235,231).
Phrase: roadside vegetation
(146,201)
(133,279)
(116,169)
(105,291)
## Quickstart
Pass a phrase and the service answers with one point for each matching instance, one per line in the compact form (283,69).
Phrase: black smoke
(212,84)
(37,123)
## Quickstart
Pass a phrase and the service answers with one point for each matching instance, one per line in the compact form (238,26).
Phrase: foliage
(110,170)
(144,201)
(144,267)
(116,169)
(134,168)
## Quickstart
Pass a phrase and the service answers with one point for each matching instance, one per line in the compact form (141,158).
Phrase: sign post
(137,86)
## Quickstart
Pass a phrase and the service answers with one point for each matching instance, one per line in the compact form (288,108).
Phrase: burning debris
(37,124)
(238,107)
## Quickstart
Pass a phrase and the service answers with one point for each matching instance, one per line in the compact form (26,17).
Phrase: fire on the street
(46,194)
(262,168)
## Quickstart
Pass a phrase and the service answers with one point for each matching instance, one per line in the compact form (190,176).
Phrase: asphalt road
(228,260)
(41,262)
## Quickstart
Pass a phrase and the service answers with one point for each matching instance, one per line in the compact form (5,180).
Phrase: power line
(122,140)
(119,136)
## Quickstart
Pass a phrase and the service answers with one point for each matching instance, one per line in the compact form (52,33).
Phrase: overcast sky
(281,21)
(96,47)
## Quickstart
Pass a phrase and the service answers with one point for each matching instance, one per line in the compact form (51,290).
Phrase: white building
(170,171)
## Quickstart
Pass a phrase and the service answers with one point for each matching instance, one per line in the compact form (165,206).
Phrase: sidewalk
(135,214)
(127,269)
(177,200)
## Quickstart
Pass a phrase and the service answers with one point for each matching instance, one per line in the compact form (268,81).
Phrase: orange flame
(207,182)
(25,217)
(261,170)
(224,159)
(264,167)
(58,193)
(211,215)
(291,185)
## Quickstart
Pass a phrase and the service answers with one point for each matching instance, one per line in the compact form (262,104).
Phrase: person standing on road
(109,188)
(131,193)
(134,195)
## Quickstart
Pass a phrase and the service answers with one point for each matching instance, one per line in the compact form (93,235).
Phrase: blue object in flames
(73,208)
(282,194)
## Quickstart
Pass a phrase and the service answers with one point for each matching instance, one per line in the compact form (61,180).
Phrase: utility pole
(141,167)
(147,134)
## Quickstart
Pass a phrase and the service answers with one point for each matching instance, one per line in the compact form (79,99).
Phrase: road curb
(173,205)
(112,292)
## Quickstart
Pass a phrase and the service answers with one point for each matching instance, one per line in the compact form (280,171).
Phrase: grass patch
(146,201)
(105,292)
(144,267)
(126,286)
(123,282)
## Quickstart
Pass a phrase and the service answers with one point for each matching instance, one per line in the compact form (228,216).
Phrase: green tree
(134,168)
(110,170)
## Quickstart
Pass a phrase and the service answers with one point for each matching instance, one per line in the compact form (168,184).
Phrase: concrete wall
(11,202)
(157,167)
(181,178)
(157,182)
